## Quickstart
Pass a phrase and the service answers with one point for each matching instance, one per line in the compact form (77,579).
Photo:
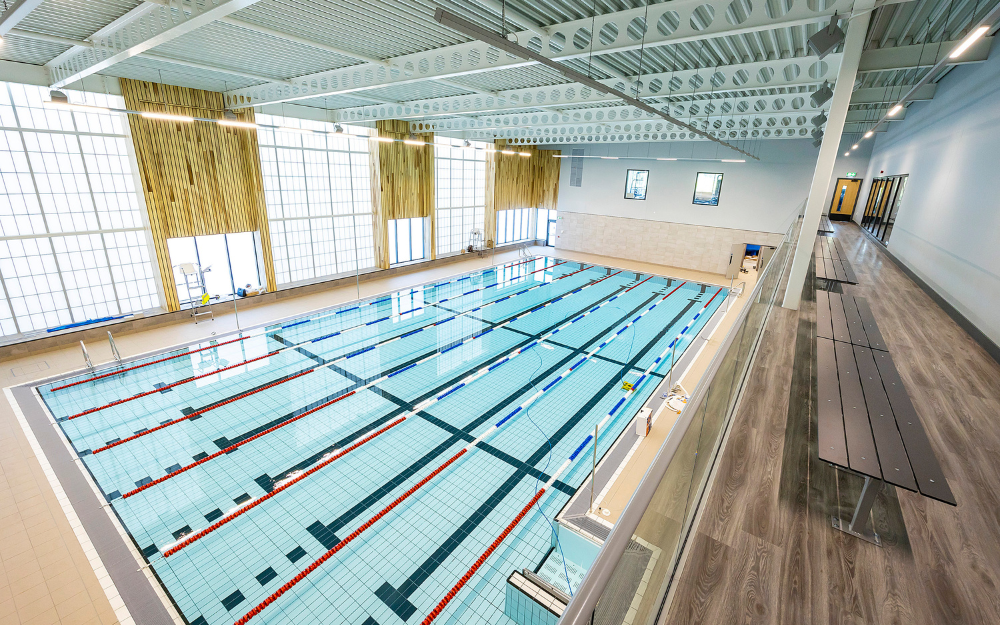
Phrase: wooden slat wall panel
(490,212)
(197,178)
(405,182)
(520,182)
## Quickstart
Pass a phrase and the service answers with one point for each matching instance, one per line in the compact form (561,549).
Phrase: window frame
(645,185)
(717,194)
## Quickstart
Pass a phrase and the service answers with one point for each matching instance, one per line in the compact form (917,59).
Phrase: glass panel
(673,506)
(403,253)
(707,188)
(243,259)
(393,253)
(416,239)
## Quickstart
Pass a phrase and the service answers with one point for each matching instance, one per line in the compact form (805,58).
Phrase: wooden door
(739,251)
(845,196)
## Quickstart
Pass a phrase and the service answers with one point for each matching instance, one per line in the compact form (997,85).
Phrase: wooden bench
(867,423)
(832,263)
(825,226)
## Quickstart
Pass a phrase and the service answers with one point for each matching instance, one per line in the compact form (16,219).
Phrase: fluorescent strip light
(508,152)
(854,147)
(733,160)
(382,139)
(847,153)
(895,109)
(169,117)
(83,108)
(524,153)
(237,124)
(610,158)
(971,39)
(868,134)
(666,159)
(413,142)
(561,156)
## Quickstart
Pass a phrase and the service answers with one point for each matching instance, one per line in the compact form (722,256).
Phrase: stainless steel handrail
(581,607)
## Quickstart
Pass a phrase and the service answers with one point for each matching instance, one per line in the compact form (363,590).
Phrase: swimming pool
(383,461)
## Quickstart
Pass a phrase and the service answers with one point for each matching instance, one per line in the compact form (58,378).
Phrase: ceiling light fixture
(817,143)
(820,119)
(382,139)
(895,109)
(610,158)
(826,40)
(412,140)
(854,147)
(733,160)
(167,117)
(969,40)
(847,153)
(666,159)
(821,95)
(338,129)
(868,134)
(524,153)
(230,119)
(510,152)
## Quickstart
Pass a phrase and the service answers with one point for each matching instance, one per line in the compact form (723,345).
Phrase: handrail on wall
(580,609)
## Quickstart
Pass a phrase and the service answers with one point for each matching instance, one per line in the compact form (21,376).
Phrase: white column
(816,203)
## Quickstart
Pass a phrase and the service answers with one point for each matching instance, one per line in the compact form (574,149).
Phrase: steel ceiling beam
(920,56)
(793,105)
(668,23)
(15,13)
(797,72)
(144,31)
(880,95)
(511,49)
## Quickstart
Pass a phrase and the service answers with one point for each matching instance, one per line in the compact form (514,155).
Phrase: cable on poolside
(538,480)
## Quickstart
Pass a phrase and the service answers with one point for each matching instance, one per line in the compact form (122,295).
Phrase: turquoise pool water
(296,469)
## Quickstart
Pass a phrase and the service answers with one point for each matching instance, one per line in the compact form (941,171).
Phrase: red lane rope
(171,385)
(146,364)
(234,447)
(713,297)
(482,560)
(211,528)
(674,291)
(200,412)
(635,285)
(329,554)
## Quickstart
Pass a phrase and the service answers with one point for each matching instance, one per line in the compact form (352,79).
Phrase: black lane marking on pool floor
(302,351)
(267,482)
(326,534)
(398,599)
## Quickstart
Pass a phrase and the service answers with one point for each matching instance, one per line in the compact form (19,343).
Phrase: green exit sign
(852,174)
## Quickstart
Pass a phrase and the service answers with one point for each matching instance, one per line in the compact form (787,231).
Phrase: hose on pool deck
(548,461)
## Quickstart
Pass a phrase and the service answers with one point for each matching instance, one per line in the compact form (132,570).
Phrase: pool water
(299,473)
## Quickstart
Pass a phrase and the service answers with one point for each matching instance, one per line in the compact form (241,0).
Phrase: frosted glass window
(460,192)
(217,265)
(72,244)
(513,225)
(317,188)
(406,240)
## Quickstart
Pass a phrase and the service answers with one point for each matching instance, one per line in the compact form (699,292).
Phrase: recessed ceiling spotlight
(854,147)
(847,153)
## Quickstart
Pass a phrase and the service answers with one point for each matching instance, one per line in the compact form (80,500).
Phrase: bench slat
(854,324)
(821,268)
(830,430)
(875,340)
(861,451)
(852,278)
(891,453)
(926,468)
(841,332)
(824,324)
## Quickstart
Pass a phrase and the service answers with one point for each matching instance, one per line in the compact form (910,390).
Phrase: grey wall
(948,227)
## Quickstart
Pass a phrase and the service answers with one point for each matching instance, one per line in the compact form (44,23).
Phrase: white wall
(756,195)
(948,227)
(758,200)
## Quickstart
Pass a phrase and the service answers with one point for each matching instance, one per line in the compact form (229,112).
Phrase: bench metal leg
(858,526)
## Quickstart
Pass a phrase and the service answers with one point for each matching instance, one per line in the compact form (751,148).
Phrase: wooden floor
(765,551)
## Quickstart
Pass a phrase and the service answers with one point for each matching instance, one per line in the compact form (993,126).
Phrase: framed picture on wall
(707,188)
(635,184)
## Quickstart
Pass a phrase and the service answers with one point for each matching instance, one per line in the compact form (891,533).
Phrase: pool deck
(46,576)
